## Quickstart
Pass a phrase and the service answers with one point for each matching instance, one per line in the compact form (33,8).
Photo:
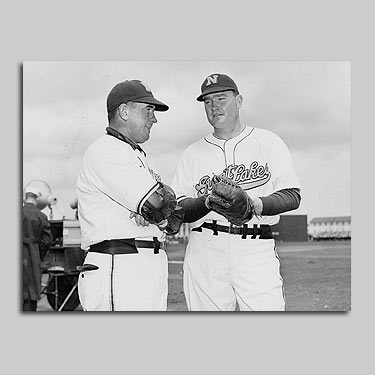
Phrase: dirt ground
(317,276)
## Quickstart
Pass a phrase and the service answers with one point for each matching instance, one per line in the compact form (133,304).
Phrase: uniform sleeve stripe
(146,196)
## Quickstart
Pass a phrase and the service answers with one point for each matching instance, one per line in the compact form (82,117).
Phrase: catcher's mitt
(230,200)
(160,205)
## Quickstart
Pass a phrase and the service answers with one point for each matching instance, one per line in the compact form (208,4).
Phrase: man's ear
(239,100)
(123,111)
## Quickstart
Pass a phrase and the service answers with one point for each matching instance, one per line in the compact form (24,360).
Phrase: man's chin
(143,140)
(218,121)
(215,120)
(146,137)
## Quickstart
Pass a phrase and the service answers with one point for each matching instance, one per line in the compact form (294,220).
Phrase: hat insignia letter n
(211,79)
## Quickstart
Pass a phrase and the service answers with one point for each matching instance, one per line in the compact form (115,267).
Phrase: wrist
(258,206)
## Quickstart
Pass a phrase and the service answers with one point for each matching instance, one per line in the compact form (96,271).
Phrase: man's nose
(214,105)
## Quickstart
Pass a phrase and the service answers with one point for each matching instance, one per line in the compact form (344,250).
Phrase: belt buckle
(235,229)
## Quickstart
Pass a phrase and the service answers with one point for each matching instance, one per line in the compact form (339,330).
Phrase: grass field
(317,276)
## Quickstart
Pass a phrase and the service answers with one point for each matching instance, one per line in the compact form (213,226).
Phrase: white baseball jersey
(225,270)
(114,180)
(257,159)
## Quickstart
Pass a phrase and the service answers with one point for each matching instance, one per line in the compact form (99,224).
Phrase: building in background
(327,228)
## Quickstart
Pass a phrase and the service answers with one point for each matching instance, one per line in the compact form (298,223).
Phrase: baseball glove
(160,205)
(230,200)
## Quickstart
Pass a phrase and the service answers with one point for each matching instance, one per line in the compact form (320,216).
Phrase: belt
(263,231)
(126,246)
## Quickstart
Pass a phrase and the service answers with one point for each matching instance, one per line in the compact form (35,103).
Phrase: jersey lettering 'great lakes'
(248,178)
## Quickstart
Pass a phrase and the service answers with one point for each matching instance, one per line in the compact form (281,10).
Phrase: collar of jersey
(245,132)
(121,137)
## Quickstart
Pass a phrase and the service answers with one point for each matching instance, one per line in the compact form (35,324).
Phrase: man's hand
(140,220)
(228,199)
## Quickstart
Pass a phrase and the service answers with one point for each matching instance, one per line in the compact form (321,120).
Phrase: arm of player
(195,208)
(281,201)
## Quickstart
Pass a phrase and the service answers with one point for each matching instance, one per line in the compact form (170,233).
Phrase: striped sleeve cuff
(146,196)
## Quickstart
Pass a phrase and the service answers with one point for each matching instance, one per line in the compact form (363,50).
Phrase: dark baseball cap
(135,91)
(216,83)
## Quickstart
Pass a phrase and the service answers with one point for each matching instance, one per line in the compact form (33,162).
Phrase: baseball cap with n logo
(217,83)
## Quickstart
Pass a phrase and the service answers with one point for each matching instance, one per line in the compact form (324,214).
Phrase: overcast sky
(306,103)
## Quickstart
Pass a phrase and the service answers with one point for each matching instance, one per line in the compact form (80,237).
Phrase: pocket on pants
(92,290)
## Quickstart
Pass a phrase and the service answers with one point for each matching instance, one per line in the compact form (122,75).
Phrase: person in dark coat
(37,238)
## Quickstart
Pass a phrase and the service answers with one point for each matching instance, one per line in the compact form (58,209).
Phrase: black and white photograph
(186,186)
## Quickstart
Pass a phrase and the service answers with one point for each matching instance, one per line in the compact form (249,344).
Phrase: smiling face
(222,108)
(140,118)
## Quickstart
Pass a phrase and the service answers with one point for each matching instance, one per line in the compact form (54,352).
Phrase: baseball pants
(225,270)
(125,282)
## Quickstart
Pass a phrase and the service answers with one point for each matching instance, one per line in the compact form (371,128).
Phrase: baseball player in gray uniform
(233,184)
(125,210)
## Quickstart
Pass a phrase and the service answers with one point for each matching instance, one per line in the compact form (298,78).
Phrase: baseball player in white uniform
(226,265)
(124,210)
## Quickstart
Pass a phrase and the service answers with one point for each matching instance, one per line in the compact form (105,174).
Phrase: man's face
(141,119)
(222,108)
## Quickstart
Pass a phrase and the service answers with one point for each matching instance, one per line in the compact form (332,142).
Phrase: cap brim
(213,90)
(159,106)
